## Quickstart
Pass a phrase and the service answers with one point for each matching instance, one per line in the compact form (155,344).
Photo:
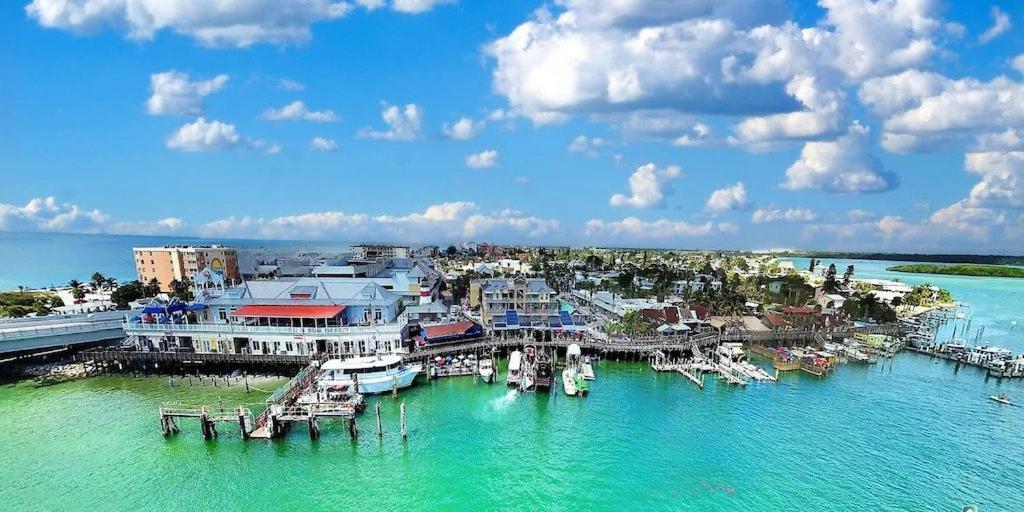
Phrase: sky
(887,125)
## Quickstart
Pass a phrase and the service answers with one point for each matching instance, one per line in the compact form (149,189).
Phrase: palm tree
(97,280)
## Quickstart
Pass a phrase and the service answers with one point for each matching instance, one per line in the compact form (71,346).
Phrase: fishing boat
(486,370)
(569,382)
(372,374)
(544,377)
(515,368)
(1001,398)
(587,368)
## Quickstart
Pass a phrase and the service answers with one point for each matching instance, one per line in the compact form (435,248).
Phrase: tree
(452,251)
(831,285)
(594,262)
(97,281)
(814,263)
(152,288)
(76,289)
(847,275)
(182,289)
(126,293)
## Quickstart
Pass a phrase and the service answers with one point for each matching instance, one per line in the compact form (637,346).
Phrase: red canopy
(276,311)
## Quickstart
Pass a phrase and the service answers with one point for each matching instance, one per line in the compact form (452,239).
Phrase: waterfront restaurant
(306,316)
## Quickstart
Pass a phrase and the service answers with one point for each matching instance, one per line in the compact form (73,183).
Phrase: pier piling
(314,427)
(353,431)
(405,431)
(380,429)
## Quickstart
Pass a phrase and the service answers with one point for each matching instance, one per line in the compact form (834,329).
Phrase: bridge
(22,335)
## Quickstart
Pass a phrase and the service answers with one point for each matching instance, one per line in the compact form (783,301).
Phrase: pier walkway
(28,334)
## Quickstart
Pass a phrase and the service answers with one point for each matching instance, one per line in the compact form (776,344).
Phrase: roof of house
(288,311)
(801,310)
(447,330)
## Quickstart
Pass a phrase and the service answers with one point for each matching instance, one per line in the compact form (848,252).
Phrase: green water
(912,435)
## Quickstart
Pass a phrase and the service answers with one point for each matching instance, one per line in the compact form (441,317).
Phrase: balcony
(242,329)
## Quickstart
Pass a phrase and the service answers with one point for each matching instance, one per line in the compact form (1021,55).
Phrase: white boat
(374,374)
(486,370)
(569,382)
(515,368)
(1000,398)
(587,369)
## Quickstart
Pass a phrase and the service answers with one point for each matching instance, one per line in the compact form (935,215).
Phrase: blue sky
(850,124)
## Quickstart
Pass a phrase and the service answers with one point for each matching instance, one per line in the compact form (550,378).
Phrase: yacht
(374,374)
(486,370)
(515,368)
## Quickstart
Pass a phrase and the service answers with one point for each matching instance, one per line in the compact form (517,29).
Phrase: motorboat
(544,377)
(367,375)
(569,382)
(515,368)
(587,368)
(1001,398)
(486,370)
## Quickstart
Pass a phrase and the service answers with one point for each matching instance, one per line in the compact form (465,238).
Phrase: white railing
(56,330)
(141,328)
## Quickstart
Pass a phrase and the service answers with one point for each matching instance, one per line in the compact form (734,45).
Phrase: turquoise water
(910,436)
(995,303)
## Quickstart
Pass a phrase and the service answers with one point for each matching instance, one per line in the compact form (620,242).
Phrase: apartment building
(178,262)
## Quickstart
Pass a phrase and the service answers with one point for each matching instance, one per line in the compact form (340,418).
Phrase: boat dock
(281,410)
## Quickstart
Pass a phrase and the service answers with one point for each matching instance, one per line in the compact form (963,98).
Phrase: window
(288,346)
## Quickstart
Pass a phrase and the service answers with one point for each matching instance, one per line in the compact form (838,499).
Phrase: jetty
(281,410)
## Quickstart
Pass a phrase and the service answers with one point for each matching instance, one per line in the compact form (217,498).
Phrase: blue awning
(554,322)
(176,305)
(196,306)
(565,317)
(511,317)
(155,307)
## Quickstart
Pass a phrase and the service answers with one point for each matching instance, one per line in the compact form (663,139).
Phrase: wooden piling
(380,429)
(242,430)
(314,428)
(353,430)
(405,431)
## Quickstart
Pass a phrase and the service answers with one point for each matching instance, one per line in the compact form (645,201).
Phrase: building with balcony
(305,316)
(378,251)
(181,262)
(516,303)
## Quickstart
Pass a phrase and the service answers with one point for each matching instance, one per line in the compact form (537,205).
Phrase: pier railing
(141,328)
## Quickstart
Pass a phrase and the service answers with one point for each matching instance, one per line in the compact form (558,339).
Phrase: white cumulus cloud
(203,135)
(172,93)
(840,166)
(649,185)
(463,129)
(323,144)
(767,215)
(404,124)
(728,199)
(217,23)
(482,160)
(297,111)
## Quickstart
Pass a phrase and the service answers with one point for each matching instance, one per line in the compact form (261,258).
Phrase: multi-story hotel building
(379,251)
(177,262)
(515,303)
(335,317)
